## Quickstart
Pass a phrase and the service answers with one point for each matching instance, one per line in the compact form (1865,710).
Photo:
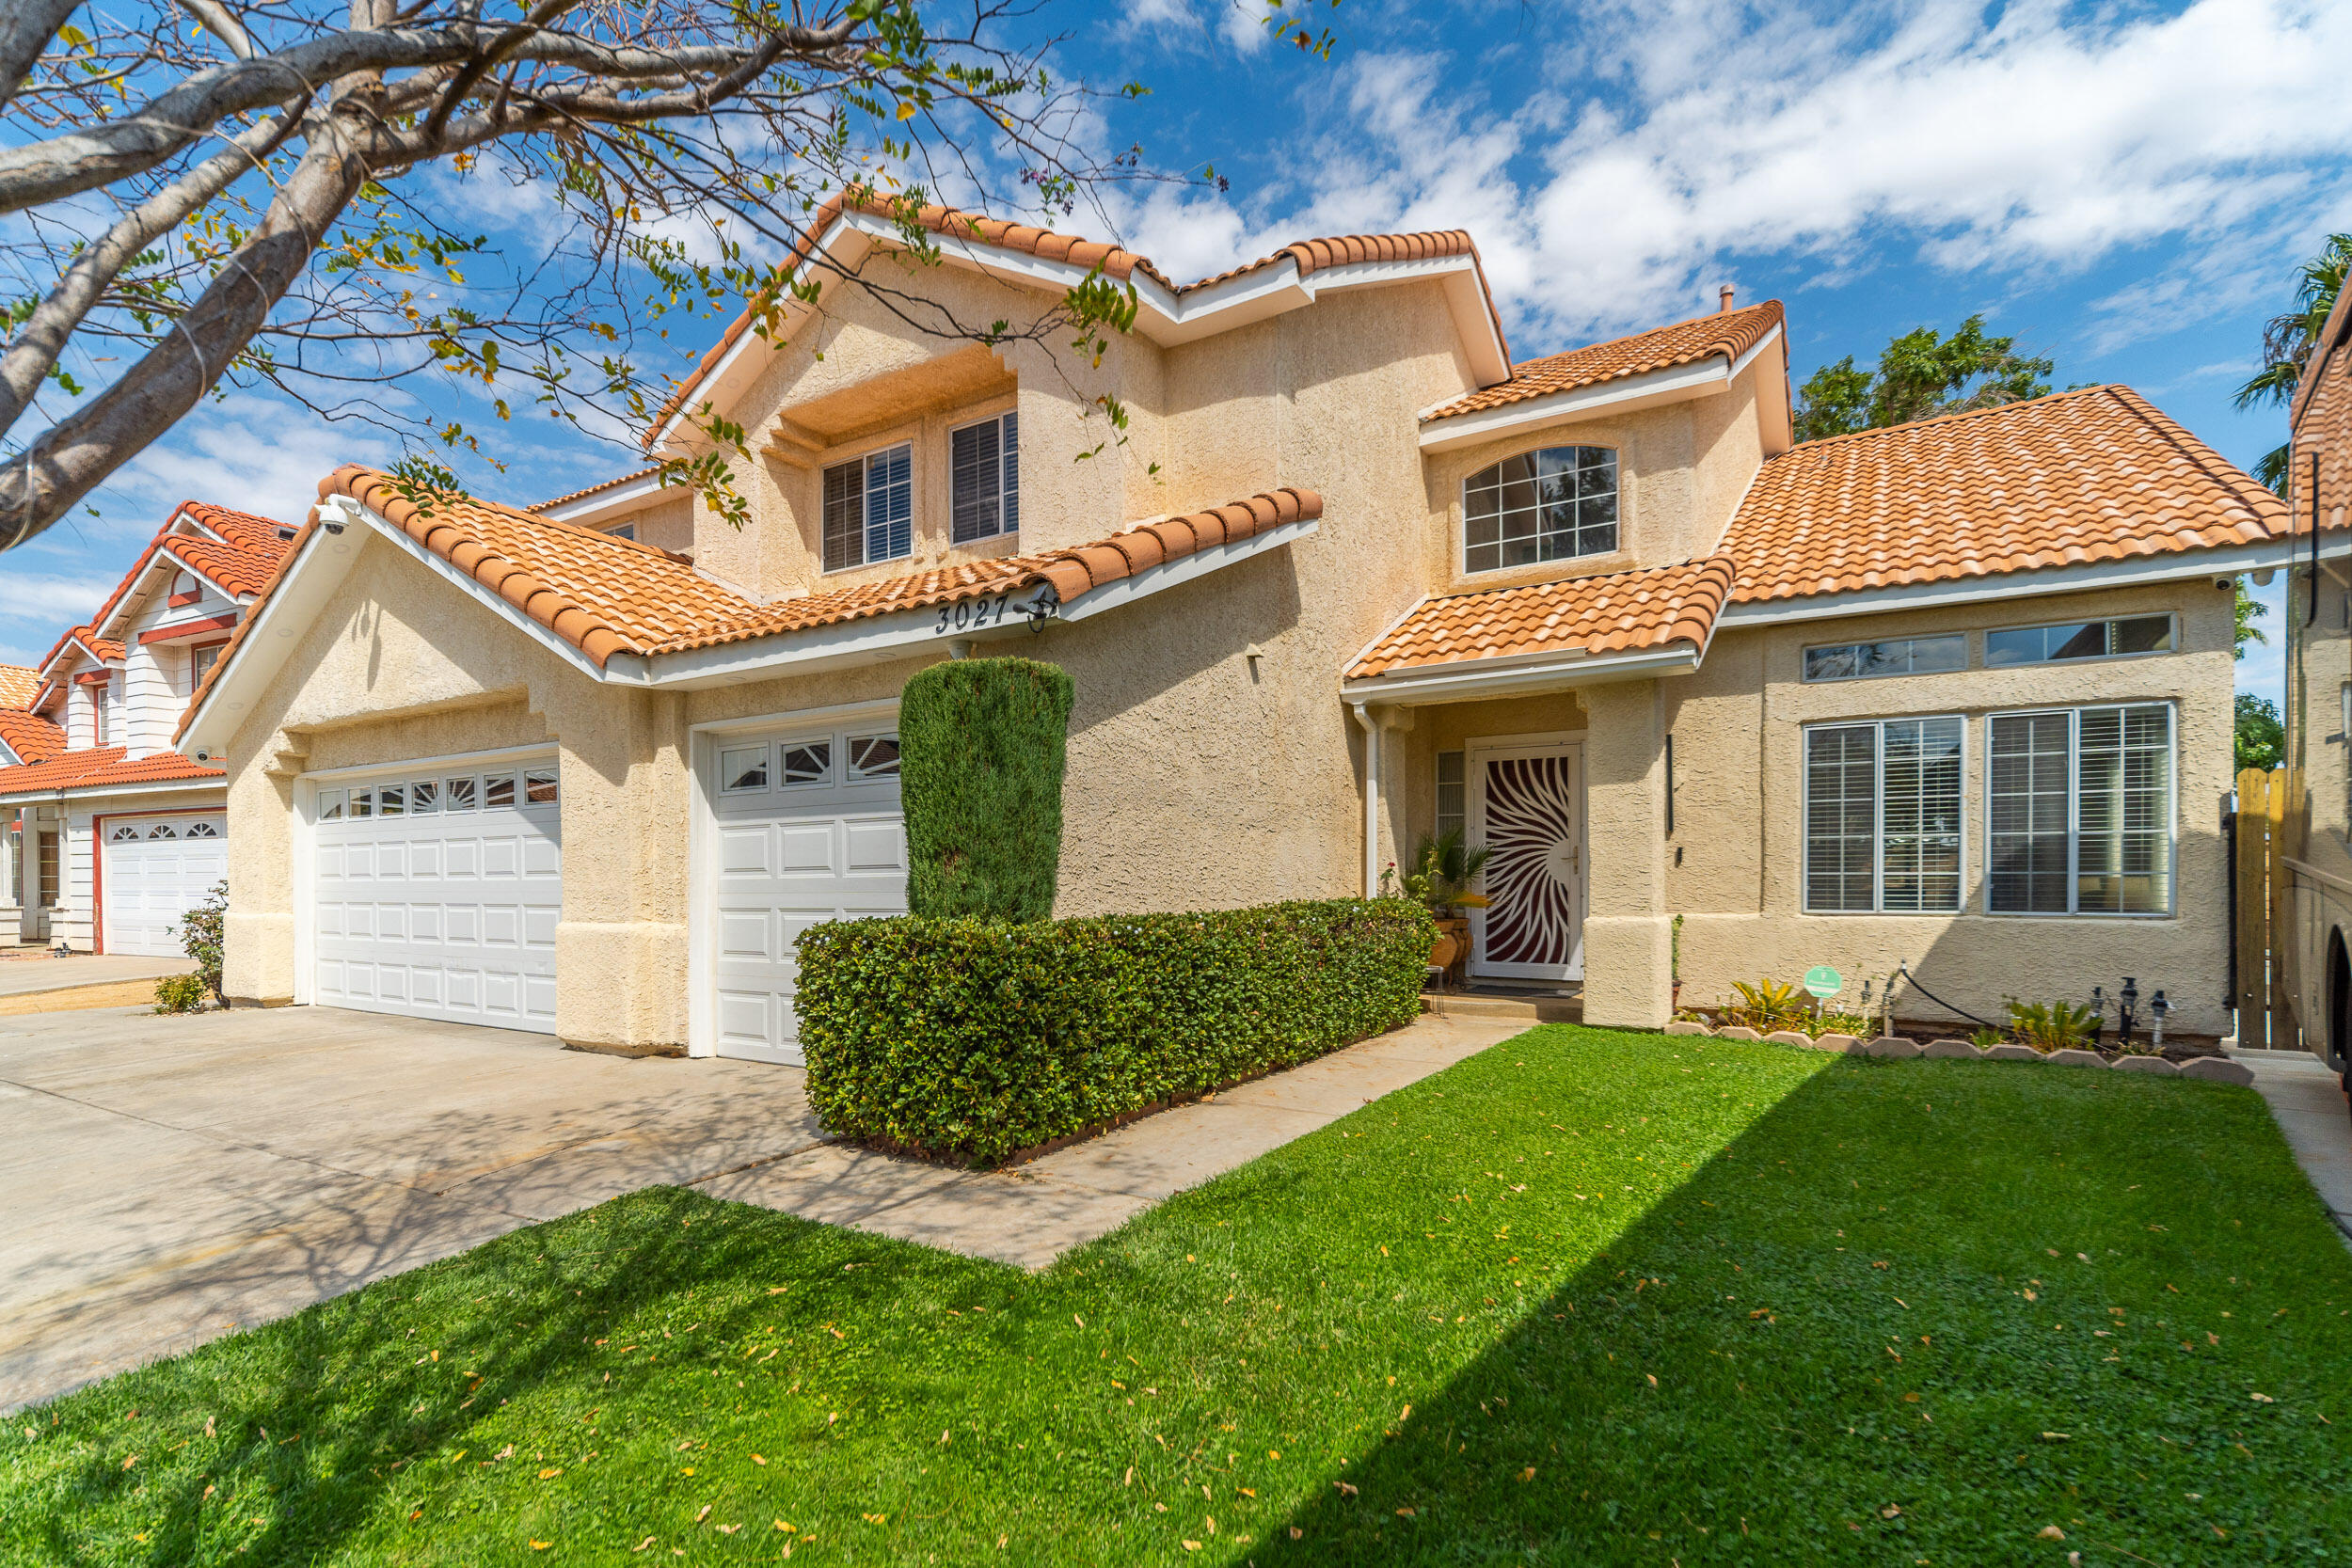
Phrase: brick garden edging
(2219,1069)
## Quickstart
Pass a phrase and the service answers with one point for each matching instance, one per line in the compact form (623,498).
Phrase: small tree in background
(1921,374)
(983,743)
(2261,740)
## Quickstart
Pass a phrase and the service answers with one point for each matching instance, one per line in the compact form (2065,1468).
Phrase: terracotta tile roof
(240,570)
(1308,256)
(102,648)
(244,530)
(592,489)
(99,768)
(1725,335)
(2091,475)
(2321,418)
(1619,612)
(18,682)
(32,737)
(1072,572)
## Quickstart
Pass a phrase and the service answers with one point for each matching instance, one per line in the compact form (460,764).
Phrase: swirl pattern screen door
(1527,804)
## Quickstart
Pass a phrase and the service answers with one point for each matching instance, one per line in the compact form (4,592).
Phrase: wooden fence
(2261,901)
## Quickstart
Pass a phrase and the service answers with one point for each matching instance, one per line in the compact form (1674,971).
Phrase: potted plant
(1444,871)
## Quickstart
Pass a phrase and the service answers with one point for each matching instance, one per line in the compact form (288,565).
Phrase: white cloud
(250,452)
(1240,23)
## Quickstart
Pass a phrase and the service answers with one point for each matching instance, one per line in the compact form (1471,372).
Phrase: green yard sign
(1823,981)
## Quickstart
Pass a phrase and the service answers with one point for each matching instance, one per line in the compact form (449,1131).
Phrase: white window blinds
(2081,809)
(1882,816)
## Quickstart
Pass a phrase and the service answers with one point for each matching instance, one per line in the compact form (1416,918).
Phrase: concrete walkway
(1030,1214)
(2308,1102)
(24,977)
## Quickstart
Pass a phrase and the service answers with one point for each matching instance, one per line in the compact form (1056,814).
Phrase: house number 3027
(970,614)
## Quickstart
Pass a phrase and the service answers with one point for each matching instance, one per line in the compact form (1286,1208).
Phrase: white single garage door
(437,893)
(806,828)
(155,870)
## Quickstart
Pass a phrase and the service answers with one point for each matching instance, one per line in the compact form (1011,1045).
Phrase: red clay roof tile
(32,737)
(1618,612)
(2096,474)
(98,768)
(1726,335)
(18,682)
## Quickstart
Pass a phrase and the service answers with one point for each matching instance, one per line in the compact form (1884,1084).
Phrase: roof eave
(1518,676)
(1649,389)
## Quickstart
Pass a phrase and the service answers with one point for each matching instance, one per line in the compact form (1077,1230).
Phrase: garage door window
(497,791)
(424,798)
(330,805)
(808,764)
(391,801)
(539,788)
(458,793)
(744,769)
(204,829)
(162,829)
(874,756)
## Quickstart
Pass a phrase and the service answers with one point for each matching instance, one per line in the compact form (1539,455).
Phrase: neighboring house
(111,834)
(1957,693)
(2318,913)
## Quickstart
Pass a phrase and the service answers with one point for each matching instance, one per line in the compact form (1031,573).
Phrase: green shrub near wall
(981,748)
(980,1039)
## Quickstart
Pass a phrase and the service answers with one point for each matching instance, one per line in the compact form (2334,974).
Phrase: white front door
(1527,804)
(805,827)
(436,893)
(154,870)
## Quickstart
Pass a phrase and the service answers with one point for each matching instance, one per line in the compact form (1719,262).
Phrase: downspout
(1372,798)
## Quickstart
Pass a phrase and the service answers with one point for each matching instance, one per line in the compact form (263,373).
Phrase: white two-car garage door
(435,893)
(155,870)
(805,827)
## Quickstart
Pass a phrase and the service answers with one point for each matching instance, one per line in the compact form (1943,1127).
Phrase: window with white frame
(984,464)
(1452,803)
(1882,816)
(98,704)
(1899,656)
(201,662)
(2071,639)
(1539,506)
(2078,810)
(869,509)
(622,530)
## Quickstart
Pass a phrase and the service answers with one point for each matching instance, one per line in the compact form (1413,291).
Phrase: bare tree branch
(26,28)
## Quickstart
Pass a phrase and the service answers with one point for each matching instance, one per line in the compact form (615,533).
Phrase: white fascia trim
(156,786)
(1674,384)
(449,572)
(604,503)
(908,631)
(1520,674)
(2170,566)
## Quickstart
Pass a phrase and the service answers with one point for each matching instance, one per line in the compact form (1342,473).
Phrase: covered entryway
(151,871)
(804,826)
(435,893)
(1527,804)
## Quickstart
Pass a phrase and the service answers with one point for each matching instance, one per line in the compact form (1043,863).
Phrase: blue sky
(2124,188)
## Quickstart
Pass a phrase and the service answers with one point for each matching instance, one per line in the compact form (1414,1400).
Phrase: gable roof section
(18,682)
(2320,420)
(1725,335)
(28,737)
(1619,612)
(238,551)
(2334,340)
(965,230)
(2076,478)
(101,768)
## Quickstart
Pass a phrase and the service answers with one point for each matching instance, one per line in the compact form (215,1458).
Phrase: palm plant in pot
(1444,875)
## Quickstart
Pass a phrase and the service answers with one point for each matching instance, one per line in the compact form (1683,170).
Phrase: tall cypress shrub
(981,747)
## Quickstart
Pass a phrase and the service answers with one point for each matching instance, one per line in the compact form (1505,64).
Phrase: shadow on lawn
(1643,1413)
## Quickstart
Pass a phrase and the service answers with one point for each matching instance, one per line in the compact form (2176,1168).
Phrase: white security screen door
(437,893)
(154,870)
(1527,804)
(805,827)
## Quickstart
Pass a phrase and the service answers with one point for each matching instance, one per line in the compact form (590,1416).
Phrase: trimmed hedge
(978,1039)
(982,744)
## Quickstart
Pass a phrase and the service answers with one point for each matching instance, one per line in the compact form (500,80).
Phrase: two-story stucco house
(1957,693)
(110,834)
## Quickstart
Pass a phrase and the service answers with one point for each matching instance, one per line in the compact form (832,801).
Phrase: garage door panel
(814,842)
(153,870)
(448,914)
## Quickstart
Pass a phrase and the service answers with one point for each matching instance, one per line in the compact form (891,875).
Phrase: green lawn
(1589,1297)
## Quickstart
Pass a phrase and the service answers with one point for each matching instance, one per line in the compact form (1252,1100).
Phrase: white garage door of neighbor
(436,894)
(156,870)
(806,828)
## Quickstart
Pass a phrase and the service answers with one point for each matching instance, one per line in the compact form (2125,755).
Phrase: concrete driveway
(169,1179)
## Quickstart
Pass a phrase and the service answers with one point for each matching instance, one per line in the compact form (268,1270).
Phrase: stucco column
(1628,980)
(257,936)
(620,949)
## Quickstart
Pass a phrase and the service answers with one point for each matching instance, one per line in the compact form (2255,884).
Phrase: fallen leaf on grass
(551,1472)
(1345,1490)
(642,1544)
(541,1546)
(1528,1474)
(2263,1399)
(704,1514)
(757,1460)
(2049,1532)
(785,1525)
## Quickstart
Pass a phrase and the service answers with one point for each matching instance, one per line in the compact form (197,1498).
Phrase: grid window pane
(890,504)
(1920,818)
(539,789)
(330,805)
(845,516)
(2123,846)
(1840,817)
(2142,634)
(1538,506)
(1450,776)
(391,800)
(984,466)
(2026,826)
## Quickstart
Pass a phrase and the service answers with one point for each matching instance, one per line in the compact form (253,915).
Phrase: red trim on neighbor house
(186,628)
(93,677)
(191,596)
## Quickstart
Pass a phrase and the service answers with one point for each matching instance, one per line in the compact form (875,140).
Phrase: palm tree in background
(2287,341)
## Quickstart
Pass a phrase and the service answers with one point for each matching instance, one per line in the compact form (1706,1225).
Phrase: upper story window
(201,662)
(869,509)
(1902,656)
(984,461)
(1540,506)
(2138,634)
(97,714)
(626,530)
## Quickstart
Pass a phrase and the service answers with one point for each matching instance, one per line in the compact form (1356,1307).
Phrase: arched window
(162,829)
(1539,506)
(204,829)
